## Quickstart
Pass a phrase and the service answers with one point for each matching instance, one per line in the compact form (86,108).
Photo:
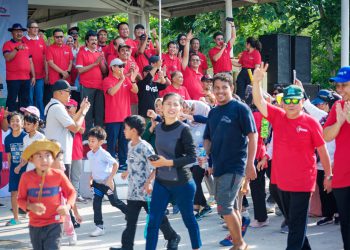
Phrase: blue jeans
(184,196)
(20,88)
(36,96)
(115,132)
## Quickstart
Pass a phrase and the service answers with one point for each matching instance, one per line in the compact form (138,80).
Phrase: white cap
(117,62)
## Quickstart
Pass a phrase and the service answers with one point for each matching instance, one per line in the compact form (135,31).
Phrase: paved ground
(267,238)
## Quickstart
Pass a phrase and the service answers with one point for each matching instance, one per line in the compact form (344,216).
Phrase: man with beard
(20,72)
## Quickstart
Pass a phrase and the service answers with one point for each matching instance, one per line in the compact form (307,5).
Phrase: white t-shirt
(101,164)
(57,121)
(27,141)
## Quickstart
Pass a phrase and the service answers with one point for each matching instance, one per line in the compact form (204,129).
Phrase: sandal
(12,222)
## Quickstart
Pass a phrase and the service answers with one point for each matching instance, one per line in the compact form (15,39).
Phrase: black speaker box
(301,57)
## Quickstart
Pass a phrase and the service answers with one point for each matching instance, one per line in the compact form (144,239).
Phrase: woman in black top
(176,150)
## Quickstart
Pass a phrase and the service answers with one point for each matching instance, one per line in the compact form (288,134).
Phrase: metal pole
(344,33)
(160,29)
(228,10)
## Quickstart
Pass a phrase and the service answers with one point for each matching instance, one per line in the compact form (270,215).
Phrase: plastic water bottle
(202,154)
(264,132)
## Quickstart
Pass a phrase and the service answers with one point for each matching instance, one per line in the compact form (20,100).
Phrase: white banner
(11,11)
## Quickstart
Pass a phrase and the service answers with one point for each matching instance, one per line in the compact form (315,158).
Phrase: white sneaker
(72,240)
(97,232)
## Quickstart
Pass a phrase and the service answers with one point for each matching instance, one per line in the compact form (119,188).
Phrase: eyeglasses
(119,66)
(59,37)
(291,101)
(195,60)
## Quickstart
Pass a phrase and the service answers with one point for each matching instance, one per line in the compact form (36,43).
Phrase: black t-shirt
(148,93)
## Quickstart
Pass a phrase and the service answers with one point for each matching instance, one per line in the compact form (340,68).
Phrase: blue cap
(342,76)
(16,26)
(325,96)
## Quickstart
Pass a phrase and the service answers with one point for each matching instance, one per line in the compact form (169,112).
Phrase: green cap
(293,92)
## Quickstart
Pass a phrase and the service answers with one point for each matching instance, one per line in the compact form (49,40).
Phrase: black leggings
(243,81)
(328,203)
(198,175)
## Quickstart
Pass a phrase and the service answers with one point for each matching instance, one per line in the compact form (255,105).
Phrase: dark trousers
(198,175)
(47,237)
(342,196)
(270,199)
(184,196)
(99,191)
(328,203)
(67,171)
(95,115)
(20,89)
(133,211)
(242,82)
(115,134)
(48,93)
(296,205)
(257,188)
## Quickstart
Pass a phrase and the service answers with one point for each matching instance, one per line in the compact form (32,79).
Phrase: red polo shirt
(224,63)
(61,56)
(133,46)
(341,168)
(182,91)
(193,84)
(204,64)
(19,67)
(117,107)
(37,48)
(142,59)
(134,98)
(137,42)
(93,77)
(294,144)
(172,64)
(248,59)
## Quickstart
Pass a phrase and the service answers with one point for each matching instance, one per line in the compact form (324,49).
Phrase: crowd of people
(167,125)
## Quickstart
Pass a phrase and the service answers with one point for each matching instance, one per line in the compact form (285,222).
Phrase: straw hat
(41,145)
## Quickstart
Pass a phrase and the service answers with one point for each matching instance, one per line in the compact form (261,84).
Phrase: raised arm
(258,97)
(186,53)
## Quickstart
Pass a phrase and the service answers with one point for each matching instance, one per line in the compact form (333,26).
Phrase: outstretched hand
(259,73)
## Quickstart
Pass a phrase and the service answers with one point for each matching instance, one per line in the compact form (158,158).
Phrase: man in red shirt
(37,48)
(102,36)
(123,29)
(91,66)
(20,72)
(296,136)
(117,90)
(195,46)
(220,54)
(190,69)
(337,127)
(170,59)
(144,52)
(59,58)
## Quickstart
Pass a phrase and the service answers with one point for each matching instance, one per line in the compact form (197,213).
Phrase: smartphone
(294,75)
(229,19)
(153,158)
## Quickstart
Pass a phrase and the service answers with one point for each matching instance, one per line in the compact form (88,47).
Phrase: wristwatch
(329,177)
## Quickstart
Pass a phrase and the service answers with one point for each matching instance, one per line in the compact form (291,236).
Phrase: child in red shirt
(40,192)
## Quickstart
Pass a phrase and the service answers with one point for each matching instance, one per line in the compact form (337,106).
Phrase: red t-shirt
(133,98)
(61,56)
(341,166)
(37,49)
(137,42)
(250,59)
(142,59)
(19,67)
(193,84)
(93,77)
(133,46)
(224,63)
(261,150)
(182,91)
(204,64)
(294,144)
(172,64)
(117,107)
(77,153)
(104,49)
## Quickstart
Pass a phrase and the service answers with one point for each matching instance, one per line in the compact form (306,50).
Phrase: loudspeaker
(301,57)
(311,90)
(276,50)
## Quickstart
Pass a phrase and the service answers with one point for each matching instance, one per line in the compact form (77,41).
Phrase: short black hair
(57,30)
(89,34)
(121,23)
(170,43)
(12,114)
(194,39)
(98,133)
(218,33)
(139,26)
(224,77)
(137,122)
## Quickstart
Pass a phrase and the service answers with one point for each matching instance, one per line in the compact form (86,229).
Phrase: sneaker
(2,205)
(325,221)
(227,242)
(336,219)
(270,208)
(245,224)
(81,199)
(206,210)
(176,209)
(72,240)
(173,243)
(13,222)
(97,232)
(198,216)
(257,224)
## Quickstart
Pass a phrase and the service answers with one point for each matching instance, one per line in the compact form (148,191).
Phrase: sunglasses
(291,101)
(119,66)
(275,93)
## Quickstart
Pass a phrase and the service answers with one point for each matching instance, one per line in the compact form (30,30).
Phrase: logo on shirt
(225,119)
(152,89)
(66,53)
(300,129)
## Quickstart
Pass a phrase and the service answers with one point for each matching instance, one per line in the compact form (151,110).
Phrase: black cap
(123,46)
(153,59)
(139,26)
(73,28)
(147,68)
(60,85)
(16,26)
(206,77)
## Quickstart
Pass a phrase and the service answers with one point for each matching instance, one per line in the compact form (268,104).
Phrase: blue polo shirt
(227,129)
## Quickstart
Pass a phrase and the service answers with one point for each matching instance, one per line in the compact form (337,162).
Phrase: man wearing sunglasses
(296,136)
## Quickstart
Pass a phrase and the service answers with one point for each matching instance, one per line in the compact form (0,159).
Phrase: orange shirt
(56,185)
